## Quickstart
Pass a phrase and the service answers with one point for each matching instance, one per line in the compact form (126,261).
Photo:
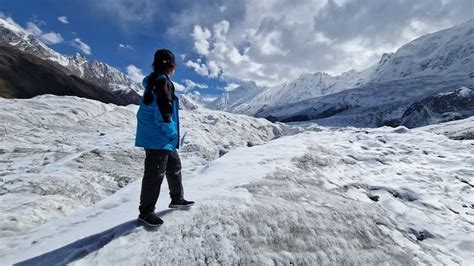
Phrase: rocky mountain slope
(442,107)
(241,97)
(445,53)
(24,75)
(250,98)
(93,71)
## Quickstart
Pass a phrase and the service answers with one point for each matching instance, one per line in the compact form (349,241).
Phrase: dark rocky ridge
(93,71)
(24,75)
(442,107)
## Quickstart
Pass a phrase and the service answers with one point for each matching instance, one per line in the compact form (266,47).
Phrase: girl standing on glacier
(158,134)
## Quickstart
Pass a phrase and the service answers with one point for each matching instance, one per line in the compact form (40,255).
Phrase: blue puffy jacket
(159,129)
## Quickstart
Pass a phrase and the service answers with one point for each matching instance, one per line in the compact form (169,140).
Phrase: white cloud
(214,69)
(178,86)
(125,46)
(33,29)
(201,69)
(208,99)
(273,41)
(135,74)
(220,29)
(52,38)
(201,43)
(63,19)
(48,38)
(191,85)
(85,48)
(224,58)
(231,87)
(211,70)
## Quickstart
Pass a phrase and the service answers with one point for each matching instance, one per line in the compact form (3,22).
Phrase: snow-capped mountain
(379,95)
(24,75)
(442,107)
(189,102)
(449,52)
(372,105)
(306,86)
(93,71)
(323,196)
(240,97)
(250,98)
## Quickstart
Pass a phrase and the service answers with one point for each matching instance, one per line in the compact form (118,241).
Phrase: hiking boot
(180,203)
(150,219)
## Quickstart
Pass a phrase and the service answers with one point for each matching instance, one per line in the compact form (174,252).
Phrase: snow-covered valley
(373,105)
(70,185)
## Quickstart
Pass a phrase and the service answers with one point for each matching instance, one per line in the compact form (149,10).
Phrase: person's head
(164,62)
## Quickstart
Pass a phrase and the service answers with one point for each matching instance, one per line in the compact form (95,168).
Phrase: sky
(222,43)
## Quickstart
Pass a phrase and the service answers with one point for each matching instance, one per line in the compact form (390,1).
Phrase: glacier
(71,152)
(266,193)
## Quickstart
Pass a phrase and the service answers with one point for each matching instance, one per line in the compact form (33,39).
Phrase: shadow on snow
(87,245)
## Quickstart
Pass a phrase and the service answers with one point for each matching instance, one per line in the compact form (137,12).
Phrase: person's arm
(164,94)
(164,99)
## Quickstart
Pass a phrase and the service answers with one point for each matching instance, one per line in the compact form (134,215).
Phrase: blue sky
(221,43)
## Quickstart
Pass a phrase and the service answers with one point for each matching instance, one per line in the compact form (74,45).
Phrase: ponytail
(148,95)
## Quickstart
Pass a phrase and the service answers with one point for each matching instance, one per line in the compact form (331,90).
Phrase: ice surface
(323,196)
(459,129)
(464,92)
(59,154)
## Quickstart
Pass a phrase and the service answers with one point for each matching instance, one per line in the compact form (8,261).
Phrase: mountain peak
(304,76)
(79,58)
(8,23)
(385,57)
(93,71)
(444,53)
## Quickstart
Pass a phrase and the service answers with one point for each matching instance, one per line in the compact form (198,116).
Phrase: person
(158,134)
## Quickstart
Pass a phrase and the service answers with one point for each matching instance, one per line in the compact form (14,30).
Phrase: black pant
(159,163)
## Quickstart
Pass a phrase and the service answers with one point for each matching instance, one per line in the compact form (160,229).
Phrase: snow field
(60,154)
(459,129)
(304,199)
(323,196)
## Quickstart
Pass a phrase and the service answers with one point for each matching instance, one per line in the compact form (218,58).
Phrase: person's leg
(173,176)
(155,167)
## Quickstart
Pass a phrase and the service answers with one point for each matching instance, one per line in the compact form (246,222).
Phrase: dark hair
(163,63)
